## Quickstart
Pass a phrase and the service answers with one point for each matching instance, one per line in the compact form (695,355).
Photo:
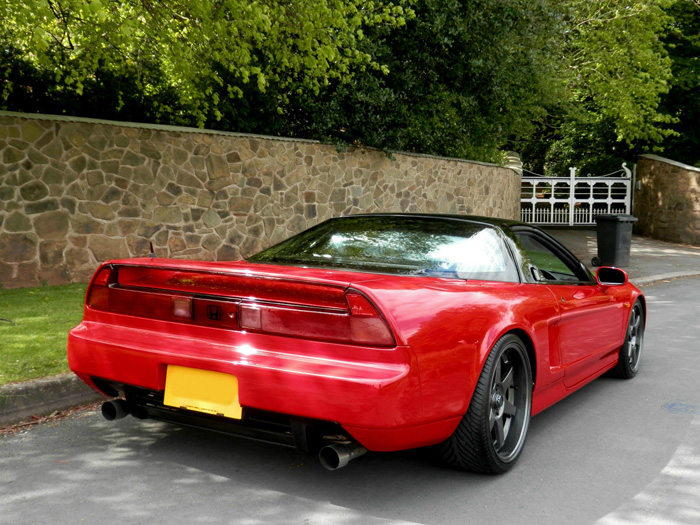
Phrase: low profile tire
(631,351)
(491,435)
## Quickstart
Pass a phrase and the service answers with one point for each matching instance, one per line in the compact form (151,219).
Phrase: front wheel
(631,351)
(491,435)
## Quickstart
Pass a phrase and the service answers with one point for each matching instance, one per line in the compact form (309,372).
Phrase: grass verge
(34,325)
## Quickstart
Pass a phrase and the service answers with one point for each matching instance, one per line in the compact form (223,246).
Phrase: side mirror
(608,276)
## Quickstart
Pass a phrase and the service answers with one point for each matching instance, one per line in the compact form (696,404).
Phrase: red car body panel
(407,395)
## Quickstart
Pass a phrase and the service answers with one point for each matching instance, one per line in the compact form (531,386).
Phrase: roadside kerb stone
(41,397)
(655,279)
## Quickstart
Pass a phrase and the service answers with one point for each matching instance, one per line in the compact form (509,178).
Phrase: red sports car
(368,332)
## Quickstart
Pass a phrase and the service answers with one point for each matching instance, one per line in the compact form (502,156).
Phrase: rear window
(399,245)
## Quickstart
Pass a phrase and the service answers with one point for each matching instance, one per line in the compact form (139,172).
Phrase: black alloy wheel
(491,435)
(631,351)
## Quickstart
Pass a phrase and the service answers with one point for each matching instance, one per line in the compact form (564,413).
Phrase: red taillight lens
(362,325)
(145,304)
(354,320)
(104,294)
(308,324)
(98,294)
(366,325)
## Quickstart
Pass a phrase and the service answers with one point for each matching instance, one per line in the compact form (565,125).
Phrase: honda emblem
(213,312)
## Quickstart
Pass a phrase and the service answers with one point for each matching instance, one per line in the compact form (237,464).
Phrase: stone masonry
(668,202)
(75,192)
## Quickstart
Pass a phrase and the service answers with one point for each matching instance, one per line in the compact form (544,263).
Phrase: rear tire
(491,435)
(631,351)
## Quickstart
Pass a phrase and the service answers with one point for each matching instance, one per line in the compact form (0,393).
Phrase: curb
(41,397)
(655,279)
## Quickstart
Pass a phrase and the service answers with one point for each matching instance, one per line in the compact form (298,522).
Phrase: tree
(188,47)
(462,78)
(563,82)
(682,41)
(619,67)
(469,79)
(617,72)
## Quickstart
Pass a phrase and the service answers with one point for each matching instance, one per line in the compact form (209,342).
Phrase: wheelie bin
(614,233)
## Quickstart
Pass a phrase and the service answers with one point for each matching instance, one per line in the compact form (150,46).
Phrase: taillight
(360,324)
(98,294)
(105,294)
(366,325)
(353,320)
(296,322)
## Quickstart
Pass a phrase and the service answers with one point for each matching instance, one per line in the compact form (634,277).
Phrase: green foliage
(34,325)
(593,148)
(617,72)
(682,41)
(107,94)
(618,65)
(189,45)
(462,78)
(563,82)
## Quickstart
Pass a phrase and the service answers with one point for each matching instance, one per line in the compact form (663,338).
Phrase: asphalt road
(617,452)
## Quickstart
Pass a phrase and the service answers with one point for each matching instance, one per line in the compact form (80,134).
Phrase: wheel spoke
(509,409)
(497,432)
(497,373)
(507,381)
(636,322)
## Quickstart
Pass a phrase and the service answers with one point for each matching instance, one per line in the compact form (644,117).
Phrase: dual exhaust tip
(332,457)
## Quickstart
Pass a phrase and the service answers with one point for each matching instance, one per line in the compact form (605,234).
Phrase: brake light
(360,324)
(98,294)
(353,318)
(366,325)
(104,294)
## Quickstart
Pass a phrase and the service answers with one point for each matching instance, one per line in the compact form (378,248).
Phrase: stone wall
(668,202)
(74,192)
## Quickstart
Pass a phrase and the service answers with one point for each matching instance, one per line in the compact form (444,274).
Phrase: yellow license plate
(202,391)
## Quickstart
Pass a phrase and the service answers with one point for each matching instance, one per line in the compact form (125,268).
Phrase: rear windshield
(399,245)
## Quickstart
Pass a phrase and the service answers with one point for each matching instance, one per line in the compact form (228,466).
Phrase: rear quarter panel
(452,325)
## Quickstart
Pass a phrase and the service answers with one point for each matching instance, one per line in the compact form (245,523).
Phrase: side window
(549,263)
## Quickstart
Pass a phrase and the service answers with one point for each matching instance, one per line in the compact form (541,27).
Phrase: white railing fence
(575,200)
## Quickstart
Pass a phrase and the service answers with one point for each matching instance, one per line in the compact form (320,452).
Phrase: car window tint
(550,264)
(403,245)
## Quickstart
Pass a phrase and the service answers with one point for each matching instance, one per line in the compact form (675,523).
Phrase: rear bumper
(374,394)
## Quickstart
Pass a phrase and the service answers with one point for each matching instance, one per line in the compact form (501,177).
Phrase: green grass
(33,343)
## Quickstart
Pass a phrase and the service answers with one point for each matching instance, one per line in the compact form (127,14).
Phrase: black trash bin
(614,234)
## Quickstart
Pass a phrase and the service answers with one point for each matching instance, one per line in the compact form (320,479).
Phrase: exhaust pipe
(115,409)
(333,457)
